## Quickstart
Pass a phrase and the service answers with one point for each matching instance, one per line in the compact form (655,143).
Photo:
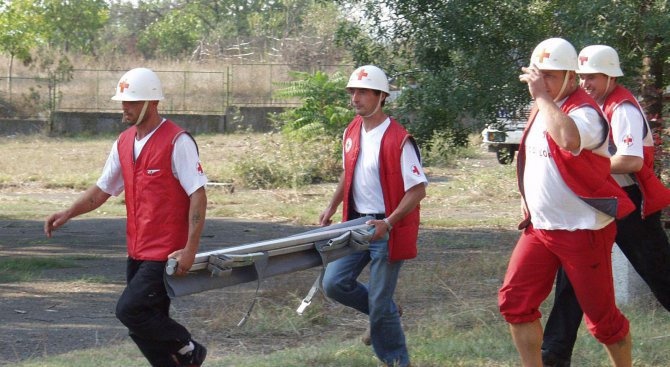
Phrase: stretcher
(255,261)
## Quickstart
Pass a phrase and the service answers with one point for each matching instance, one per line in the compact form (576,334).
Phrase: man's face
(594,84)
(553,80)
(131,111)
(364,101)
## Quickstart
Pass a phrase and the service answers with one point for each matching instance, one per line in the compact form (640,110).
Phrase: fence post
(229,77)
(183,92)
(97,89)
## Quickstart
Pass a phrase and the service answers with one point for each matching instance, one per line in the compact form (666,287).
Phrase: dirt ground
(73,308)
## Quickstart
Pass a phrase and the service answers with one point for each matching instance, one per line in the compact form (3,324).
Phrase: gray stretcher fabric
(202,280)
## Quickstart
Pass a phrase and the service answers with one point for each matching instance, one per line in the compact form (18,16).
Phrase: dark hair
(377,92)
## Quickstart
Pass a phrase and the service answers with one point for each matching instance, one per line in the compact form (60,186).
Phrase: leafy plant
(324,109)
(283,162)
(59,70)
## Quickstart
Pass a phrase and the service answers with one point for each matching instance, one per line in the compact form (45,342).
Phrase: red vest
(587,174)
(403,238)
(655,196)
(156,204)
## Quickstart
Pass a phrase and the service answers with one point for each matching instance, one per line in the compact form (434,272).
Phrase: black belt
(378,216)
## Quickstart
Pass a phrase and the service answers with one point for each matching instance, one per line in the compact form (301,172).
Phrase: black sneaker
(550,359)
(194,358)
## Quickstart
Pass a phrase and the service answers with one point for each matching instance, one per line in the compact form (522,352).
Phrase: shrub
(281,162)
(444,148)
(325,105)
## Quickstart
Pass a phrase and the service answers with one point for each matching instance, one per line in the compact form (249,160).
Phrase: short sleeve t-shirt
(552,204)
(367,189)
(628,128)
(186,166)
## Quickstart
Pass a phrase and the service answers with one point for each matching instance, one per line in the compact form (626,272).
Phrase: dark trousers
(645,244)
(144,309)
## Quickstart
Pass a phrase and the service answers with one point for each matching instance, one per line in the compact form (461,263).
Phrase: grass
(449,292)
(27,269)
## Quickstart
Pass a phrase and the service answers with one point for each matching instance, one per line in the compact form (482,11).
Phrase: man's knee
(122,313)
(331,288)
(127,312)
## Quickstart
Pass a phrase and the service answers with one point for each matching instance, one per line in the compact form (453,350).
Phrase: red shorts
(586,257)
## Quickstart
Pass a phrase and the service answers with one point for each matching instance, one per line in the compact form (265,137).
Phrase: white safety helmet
(369,77)
(554,54)
(599,59)
(140,84)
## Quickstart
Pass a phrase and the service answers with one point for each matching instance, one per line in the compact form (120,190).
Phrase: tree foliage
(72,25)
(325,105)
(178,29)
(466,55)
(18,28)
(470,52)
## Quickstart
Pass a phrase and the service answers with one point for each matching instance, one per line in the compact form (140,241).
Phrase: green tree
(58,70)
(325,105)
(72,25)
(173,35)
(180,28)
(470,52)
(18,33)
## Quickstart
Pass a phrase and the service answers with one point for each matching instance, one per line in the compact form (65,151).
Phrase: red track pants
(586,256)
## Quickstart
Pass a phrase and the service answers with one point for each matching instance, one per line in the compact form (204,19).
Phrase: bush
(325,105)
(281,162)
(444,148)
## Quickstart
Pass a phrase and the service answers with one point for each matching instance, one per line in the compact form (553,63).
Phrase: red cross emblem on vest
(362,74)
(543,54)
(415,170)
(123,85)
(583,59)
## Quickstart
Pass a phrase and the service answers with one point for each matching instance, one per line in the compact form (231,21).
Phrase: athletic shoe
(194,358)
(551,359)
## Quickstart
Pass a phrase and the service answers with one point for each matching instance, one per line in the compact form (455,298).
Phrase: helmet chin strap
(379,103)
(141,116)
(563,87)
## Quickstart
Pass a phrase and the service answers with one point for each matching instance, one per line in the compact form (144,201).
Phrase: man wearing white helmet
(570,202)
(640,236)
(156,164)
(383,178)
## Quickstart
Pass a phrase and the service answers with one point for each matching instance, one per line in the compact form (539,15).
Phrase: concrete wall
(95,123)
(21,127)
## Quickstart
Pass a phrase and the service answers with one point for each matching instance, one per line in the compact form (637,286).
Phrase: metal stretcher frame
(284,255)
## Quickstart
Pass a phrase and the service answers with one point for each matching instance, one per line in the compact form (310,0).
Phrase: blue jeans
(374,299)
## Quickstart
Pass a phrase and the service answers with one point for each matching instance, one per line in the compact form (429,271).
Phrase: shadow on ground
(67,309)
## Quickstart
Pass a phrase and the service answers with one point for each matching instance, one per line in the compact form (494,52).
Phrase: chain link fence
(186,91)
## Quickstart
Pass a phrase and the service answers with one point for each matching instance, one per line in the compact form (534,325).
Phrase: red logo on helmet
(543,54)
(362,74)
(583,59)
(123,85)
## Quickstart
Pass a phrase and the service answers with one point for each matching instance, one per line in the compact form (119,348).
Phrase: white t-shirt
(627,134)
(366,186)
(551,203)
(186,166)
